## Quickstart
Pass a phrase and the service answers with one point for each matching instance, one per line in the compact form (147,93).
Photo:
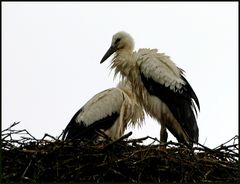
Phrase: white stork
(110,111)
(160,87)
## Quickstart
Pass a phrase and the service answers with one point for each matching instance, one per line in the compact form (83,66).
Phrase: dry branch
(125,160)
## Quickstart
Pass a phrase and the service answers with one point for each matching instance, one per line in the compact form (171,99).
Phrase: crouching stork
(160,87)
(110,111)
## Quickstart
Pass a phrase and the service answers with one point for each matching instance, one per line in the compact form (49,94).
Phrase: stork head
(120,41)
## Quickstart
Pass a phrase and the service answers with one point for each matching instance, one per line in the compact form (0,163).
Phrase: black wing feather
(77,130)
(180,104)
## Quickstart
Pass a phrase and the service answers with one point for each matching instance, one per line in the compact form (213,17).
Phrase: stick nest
(126,160)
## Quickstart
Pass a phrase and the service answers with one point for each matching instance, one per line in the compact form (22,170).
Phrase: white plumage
(159,85)
(110,111)
(101,106)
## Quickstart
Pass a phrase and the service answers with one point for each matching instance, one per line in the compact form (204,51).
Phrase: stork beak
(110,51)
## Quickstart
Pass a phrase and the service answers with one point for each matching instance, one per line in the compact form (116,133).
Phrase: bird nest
(50,159)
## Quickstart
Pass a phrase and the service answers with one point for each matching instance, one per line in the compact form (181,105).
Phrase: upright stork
(110,110)
(160,87)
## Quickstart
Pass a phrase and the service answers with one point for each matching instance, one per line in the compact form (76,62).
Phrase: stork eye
(117,40)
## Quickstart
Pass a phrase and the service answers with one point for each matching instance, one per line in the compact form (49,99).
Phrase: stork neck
(123,63)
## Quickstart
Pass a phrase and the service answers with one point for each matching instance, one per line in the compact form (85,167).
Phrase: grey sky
(51,54)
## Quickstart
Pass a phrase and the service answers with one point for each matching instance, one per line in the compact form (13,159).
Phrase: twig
(23,175)
(118,140)
(14,124)
(235,137)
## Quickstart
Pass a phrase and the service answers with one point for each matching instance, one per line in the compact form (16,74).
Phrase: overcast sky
(51,54)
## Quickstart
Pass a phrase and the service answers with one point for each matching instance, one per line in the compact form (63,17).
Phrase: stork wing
(100,112)
(163,79)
